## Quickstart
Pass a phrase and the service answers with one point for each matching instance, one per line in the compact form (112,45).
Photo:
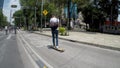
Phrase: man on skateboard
(54,23)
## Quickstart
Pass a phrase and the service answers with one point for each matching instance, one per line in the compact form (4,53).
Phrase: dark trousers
(54,37)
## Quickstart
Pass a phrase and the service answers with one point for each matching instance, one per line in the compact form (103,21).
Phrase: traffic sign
(45,12)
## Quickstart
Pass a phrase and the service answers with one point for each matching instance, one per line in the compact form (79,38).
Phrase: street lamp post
(10,14)
(12,6)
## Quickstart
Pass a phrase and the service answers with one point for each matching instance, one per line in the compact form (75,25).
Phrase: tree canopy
(3,19)
(92,10)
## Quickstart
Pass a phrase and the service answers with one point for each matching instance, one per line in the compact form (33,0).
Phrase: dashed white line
(9,36)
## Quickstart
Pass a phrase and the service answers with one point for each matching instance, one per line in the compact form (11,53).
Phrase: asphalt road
(76,55)
(12,53)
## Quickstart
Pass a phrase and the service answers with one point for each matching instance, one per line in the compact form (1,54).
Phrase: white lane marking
(2,52)
(1,36)
(41,46)
(33,62)
(9,36)
(48,65)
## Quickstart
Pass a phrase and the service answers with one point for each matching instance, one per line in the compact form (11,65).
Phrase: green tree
(52,6)
(110,8)
(18,18)
(3,19)
(93,16)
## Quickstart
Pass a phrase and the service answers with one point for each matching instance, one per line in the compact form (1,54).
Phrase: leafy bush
(62,30)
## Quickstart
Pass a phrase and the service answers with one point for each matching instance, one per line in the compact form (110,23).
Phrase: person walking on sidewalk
(54,23)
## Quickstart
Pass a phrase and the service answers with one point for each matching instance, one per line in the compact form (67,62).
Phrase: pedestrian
(72,24)
(15,29)
(54,23)
(6,30)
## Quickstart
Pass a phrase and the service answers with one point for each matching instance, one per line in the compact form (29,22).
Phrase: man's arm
(58,24)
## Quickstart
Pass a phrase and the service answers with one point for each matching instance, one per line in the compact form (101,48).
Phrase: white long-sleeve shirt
(54,20)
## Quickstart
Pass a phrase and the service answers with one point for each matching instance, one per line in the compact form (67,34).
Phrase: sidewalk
(91,38)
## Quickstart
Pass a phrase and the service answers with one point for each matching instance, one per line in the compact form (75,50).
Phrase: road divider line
(33,62)
(48,65)
(9,36)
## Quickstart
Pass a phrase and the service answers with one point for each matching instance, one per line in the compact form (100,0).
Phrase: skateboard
(58,49)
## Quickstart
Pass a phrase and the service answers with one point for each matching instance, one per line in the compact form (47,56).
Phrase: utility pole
(35,18)
(35,14)
(41,16)
(10,14)
(69,4)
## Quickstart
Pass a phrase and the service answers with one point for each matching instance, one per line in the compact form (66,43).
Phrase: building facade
(1,4)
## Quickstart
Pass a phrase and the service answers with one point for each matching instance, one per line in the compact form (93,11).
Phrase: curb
(91,44)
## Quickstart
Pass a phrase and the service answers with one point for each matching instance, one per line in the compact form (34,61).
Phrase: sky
(7,7)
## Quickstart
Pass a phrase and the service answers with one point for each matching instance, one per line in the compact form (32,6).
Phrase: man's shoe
(57,47)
